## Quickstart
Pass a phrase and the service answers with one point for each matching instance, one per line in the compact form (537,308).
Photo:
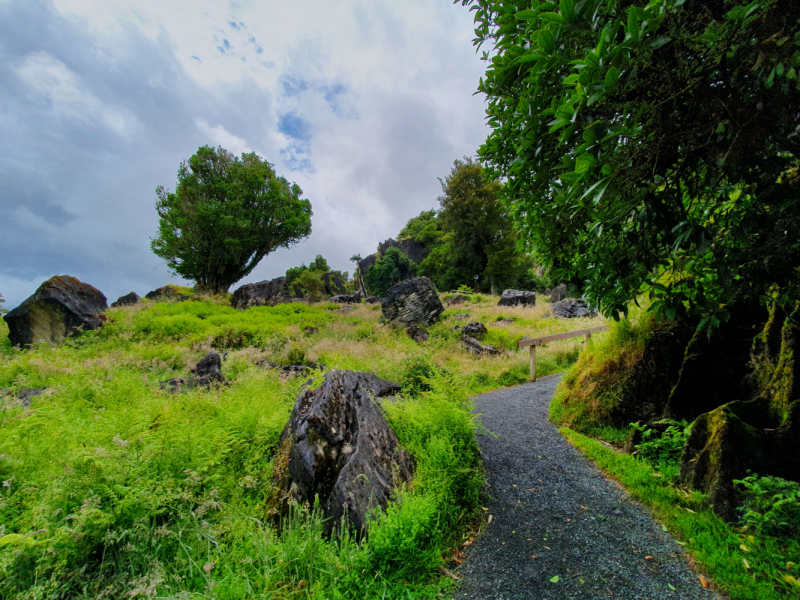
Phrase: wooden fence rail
(533,342)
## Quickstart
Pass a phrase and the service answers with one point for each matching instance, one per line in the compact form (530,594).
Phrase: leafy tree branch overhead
(226,214)
(650,147)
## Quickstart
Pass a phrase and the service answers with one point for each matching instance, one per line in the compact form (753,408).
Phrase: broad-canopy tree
(225,215)
(650,147)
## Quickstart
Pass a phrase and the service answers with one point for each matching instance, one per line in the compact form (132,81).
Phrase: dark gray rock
(417,333)
(333,283)
(338,447)
(558,293)
(455,328)
(298,291)
(571,308)
(167,292)
(412,302)
(455,300)
(461,316)
(25,395)
(505,322)
(62,307)
(311,330)
(474,346)
(517,298)
(411,248)
(354,298)
(263,293)
(374,300)
(208,372)
(294,369)
(126,300)
(475,329)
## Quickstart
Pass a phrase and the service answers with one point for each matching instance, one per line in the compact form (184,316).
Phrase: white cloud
(47,76)
(219,136)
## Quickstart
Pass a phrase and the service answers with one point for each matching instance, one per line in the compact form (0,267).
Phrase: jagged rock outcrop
(263,293)
(353,298)
(413,249)
(417,333)
(558,293)
(373,300)
(297,291)
(62,307)
(338,447)
(475,329)
(571,308)
(167,292)
(333,283)
(208,372)
(760,435)
(126,300)
(474,346)
(517,298)
(412,302)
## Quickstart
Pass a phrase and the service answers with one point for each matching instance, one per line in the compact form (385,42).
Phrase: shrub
(311,282)
(662,441)
(771,505)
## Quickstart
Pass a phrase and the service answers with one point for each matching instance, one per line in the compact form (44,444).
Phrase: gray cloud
(88,135)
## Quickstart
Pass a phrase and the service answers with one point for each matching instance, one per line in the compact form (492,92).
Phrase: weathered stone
(333,283)
(208,372)
(126,300)
(505,322)
(455,328)
(475,329)
(167,292)
(761,436)
(558,293)
(346,309)
(25,395)
(461,316)
(338,447)
(62,307)
(298,291)
(517,298)
(408,246)
(412,302)
(417,333)
(353,298)
(572,308)
(292,369)
(374,300)
(455,300)
(311,330)
(263,293)
(474,346)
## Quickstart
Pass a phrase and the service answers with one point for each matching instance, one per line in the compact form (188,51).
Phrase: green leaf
(612,76)
(546,40)
(606,169)
(633,25)
(567,8)
(660,41)
(555,579)
(553,17)
(527,15)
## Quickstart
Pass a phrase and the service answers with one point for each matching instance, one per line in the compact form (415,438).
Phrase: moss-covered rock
(761,435)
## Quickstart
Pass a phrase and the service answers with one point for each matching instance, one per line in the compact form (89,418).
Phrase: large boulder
(759,436)
(263,293)
(126,300)
(457,299)
(558,293)
(412,302)
(417,333)
(62,307)
(338,447)
(517,298)
(474,346)
(167,292)
(373,300)
(354,298)
(475,329)
(571,308)
(333,283)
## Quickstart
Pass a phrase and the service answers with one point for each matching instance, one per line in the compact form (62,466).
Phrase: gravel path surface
(539,486)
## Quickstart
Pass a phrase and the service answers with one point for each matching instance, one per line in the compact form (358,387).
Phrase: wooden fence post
(533,362)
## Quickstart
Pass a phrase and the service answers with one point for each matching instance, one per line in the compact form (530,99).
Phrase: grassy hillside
(114,487)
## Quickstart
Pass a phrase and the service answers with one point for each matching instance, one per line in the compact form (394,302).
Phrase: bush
(311,282)
(771,505)
(662,441)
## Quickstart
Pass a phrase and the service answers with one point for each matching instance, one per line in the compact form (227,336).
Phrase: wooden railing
(533,342)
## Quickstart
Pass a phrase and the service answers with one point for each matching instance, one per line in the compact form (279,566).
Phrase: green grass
(740,565)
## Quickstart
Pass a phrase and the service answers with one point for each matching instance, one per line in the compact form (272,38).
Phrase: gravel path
(539,486)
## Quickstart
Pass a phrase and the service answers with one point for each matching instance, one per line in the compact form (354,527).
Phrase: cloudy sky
(363,103)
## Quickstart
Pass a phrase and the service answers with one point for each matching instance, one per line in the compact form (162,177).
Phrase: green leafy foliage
(771,506)
(650,147)
(391,268)
(311,283)
(225,215)
(2,309)
(662,441)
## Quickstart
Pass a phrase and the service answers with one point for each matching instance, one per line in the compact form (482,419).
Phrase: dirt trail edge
(551,503)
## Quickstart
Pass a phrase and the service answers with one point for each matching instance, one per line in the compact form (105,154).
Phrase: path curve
(597,552)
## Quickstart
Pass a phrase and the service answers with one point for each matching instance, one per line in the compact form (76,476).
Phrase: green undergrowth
(741,562)
(112,487)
